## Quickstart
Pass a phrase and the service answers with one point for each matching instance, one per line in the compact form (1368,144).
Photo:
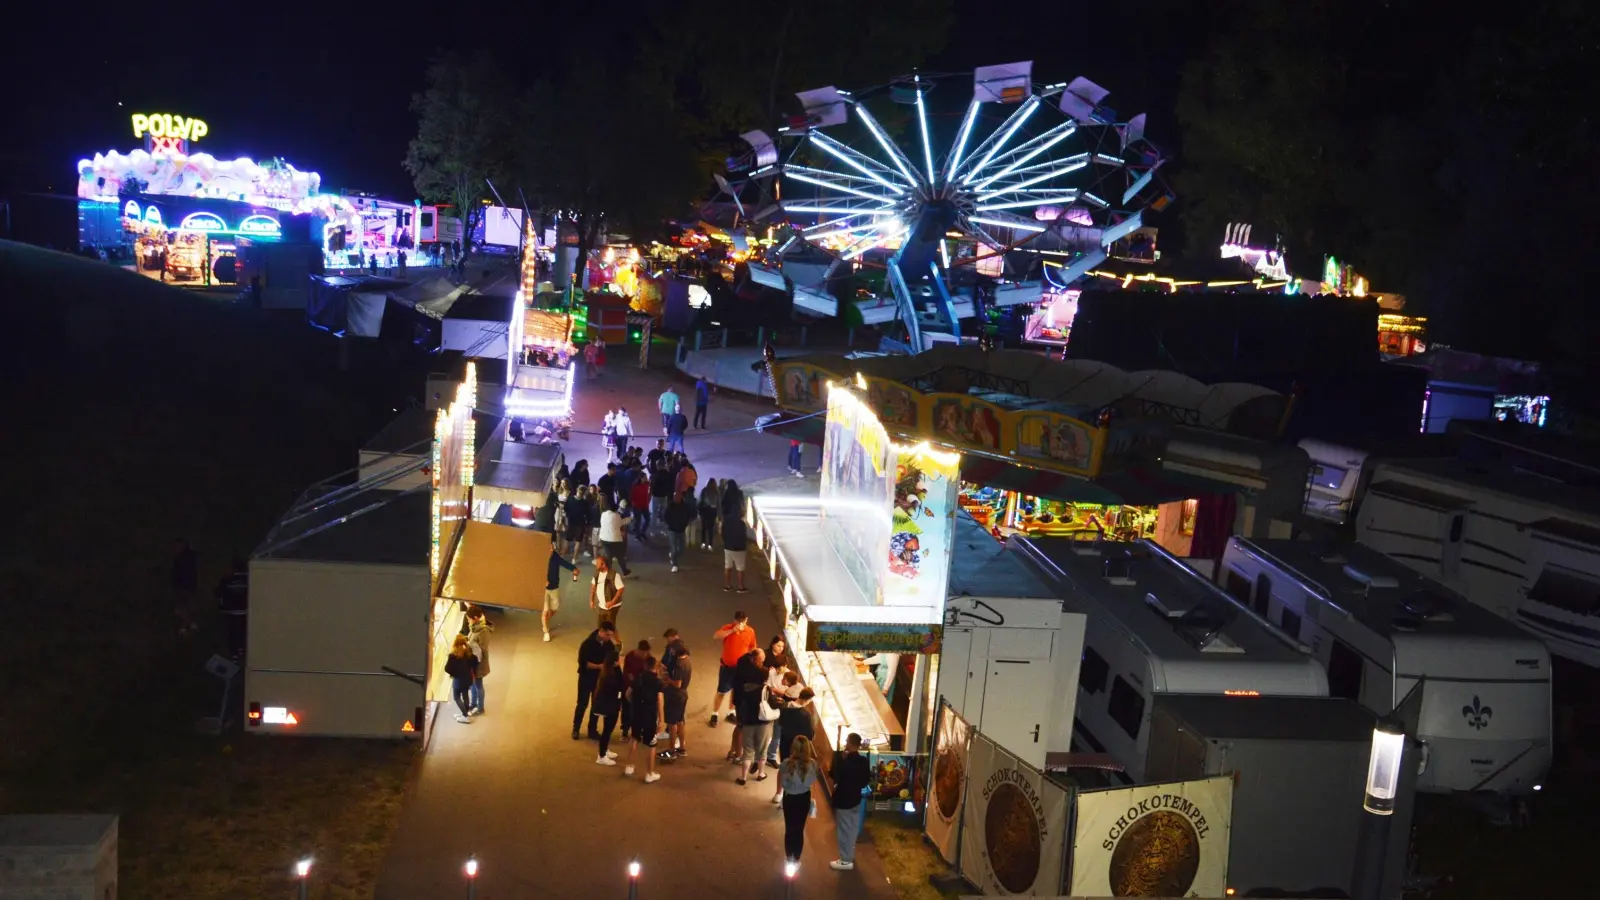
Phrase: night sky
(330,91)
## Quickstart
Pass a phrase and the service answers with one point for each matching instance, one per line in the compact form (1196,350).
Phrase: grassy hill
(139,413)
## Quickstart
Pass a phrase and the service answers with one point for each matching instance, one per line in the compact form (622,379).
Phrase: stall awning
(500,566)
(503,482)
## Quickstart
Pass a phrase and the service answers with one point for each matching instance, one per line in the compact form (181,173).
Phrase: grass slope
(138,413)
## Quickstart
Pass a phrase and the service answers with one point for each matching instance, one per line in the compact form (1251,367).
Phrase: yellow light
(1211,284)
(1128,279)
(1241,693)
(169,125)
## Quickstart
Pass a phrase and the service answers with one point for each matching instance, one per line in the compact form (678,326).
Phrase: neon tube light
(839,187)
(789,168)
(927,147)
(1024,204)
(1002,223)
(1010,128)
(1049,139)
(1064,170)
(810,228)
(967,121)
(202,221)
(833,210)
(895,156)
(850,158)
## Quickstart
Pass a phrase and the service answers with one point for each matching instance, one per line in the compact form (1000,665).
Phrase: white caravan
(1524,546)
(1378,627)
(1156,626)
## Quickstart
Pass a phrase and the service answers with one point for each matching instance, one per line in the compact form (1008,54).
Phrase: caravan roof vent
(1406,623)
(1335,559)
(1371,581)
(1427,607)
(1165,611)
(1205,626)
(1119,571)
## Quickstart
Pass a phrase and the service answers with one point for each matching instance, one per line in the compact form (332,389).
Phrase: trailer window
(1238,587)
(1344,671)
(1092,672)
(1263,599)
(1126,707)
(1568,590)
(1291,623)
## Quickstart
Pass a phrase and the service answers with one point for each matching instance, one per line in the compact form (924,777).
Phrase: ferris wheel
(1048,166)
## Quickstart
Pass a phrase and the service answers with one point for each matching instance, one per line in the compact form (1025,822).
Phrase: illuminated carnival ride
(1057,175)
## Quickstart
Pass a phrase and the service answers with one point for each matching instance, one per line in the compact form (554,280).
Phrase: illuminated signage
(202,221)
(278,715)
(131,211)
(168,125)
(259,224)
(152,215)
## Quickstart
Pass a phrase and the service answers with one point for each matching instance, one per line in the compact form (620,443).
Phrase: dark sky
(329,90)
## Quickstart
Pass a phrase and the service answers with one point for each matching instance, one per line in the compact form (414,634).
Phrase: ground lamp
(471,870)
(1383,787)
(791,870)
(633,879)
(302,874)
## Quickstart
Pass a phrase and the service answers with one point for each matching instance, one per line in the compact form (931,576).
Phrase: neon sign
(168,125)
(202,221)
(259,224)
(152,215)
(131,211)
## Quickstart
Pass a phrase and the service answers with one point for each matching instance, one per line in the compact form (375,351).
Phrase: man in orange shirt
(738,639)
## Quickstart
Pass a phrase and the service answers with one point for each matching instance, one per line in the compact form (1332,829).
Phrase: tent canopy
(498,565)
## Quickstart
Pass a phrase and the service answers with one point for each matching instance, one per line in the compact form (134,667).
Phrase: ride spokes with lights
(1056,173)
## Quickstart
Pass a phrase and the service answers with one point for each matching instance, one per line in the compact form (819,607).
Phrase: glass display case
(848,699)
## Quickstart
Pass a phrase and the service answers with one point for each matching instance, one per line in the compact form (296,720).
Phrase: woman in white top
(799,774)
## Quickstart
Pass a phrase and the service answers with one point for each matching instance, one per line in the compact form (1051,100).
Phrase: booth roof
(480,308)
(394,533)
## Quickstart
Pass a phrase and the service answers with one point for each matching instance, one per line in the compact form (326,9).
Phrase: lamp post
(791,870)
(302,874)
(1378,805)
(471,870)
(633,879)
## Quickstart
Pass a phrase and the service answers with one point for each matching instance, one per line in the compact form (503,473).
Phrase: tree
(462,136)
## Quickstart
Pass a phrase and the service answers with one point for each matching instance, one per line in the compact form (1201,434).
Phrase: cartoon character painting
(894,404)
(1058,439)
(802,387)
(975,424)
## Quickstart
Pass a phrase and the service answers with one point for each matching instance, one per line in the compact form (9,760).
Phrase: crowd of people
(643,686)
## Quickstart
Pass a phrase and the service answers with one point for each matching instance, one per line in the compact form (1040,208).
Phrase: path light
(791,870)
(302,874)
(633,879)
(471,870)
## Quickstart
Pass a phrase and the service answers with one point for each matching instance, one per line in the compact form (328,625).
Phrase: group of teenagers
(771,714)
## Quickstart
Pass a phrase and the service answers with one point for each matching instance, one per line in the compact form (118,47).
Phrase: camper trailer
(1379,627)
(1526,547)
(1156,626)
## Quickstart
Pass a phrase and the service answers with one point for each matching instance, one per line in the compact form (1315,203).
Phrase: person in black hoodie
(544,519)
(578,507)
(678,515)
(598,647)
(607,484)
(580,474)
(794,720)
(608,704)
(661,482)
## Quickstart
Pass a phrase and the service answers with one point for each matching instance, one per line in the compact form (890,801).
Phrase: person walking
(795,724)
(661,484)
(750,702)
(606,484)
(592,655)
(461,666)
(624,426)
(732,503)
(478,632)
(679,671)
(851,774)
(233,598)
(648,713)
(605,593)
(710,508)
(639,499)
(552,589)
(612,536)
(678,515)
(590,354)
(735,544)
(737,639)
(608,435)
(578,508)
(185,586)
(668,404)
(795,458)
(799,775)
(702,402)
(633,665)
(608,700)
(677,424)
